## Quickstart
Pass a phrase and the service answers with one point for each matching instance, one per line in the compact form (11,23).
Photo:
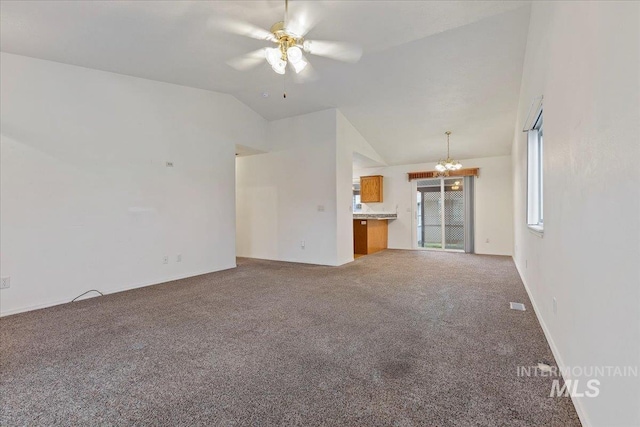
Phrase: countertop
(378,216)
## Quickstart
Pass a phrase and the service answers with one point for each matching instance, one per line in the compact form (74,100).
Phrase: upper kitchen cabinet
(371,189)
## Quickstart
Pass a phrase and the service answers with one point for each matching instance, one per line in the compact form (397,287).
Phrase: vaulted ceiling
(427,66)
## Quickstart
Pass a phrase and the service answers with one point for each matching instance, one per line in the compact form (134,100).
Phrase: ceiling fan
(289,46)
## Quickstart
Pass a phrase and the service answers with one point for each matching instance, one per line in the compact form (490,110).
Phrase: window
(357,206)
(535,217)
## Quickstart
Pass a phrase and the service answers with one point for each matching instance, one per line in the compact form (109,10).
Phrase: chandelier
(445,166)
(289,50)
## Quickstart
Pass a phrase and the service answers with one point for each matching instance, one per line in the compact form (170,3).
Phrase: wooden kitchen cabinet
(369,236)
(371,189)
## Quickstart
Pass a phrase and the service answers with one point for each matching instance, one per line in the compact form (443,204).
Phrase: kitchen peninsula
(370,232)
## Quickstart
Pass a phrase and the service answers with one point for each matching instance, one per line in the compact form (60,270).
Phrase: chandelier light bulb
(294,54)
(448,165)
(440,167)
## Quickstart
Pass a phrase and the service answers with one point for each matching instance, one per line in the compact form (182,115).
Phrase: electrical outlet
(179,258)
(487,240)
(555,306)
(6,283)
(169,164)
(302,244)
(320,208)
(165,259)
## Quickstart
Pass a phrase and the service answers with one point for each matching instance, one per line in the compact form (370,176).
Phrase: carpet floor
(402,338)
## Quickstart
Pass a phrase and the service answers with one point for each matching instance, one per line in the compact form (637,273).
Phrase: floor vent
(544,367)
(517,306)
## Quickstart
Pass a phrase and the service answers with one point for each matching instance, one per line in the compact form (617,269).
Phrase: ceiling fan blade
(248,60)
(339,51)
(242,28)
(303,17)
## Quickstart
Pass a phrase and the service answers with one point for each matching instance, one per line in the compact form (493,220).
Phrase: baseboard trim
(582,413)
(33,307)
(113,291)
(292,261)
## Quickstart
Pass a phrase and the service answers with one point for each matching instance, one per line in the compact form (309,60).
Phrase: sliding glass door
(429,197)
(453,235)
(444,214)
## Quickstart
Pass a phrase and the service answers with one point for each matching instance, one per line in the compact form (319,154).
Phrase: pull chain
(284,85)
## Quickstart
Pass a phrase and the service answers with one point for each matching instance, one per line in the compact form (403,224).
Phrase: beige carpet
(396,338)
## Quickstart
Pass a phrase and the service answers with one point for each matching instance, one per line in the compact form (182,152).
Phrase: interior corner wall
(583,57)
(87,201)
(493,213)
(354,141)
(288,195)
(347,137)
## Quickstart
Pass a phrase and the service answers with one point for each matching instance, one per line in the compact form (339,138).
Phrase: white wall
(87,202)
(584,58)
(347,137)
(279,193)
(310,164)
(493,203)
(355,141)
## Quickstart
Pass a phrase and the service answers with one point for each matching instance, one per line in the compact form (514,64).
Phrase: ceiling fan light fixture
(279,66)
(299,66)
(272,54)
(294,54)
(306,45)
(290,46)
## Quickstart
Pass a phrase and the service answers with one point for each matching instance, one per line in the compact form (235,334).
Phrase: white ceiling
(427,66)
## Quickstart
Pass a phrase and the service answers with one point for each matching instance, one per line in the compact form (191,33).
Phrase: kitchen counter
(370,234)
(378,216)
